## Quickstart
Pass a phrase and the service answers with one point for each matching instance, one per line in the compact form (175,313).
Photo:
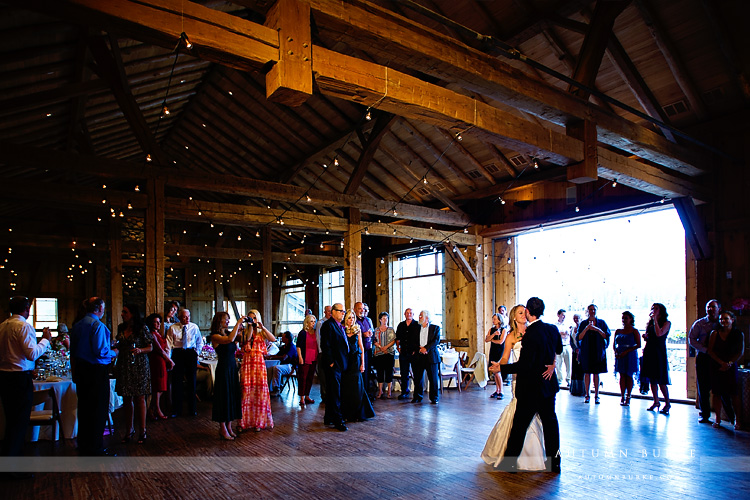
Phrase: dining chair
(290,378)
(455,372)
(468,373)
(46,417)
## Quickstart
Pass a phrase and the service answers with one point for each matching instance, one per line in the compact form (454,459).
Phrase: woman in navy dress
(355,404)
(593,337)
(726,345)
(655,363)
(227,393)
(627,343)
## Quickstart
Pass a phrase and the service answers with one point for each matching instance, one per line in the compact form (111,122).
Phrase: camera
(250,320)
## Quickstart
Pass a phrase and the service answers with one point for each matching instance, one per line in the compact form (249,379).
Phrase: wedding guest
(61,343)
(287,357)
(367,330)
(160,364)
(384,355)
(626,345)
(134,342)
(565,357)
(577,387)
(725,347)
(406,332)
(185,342)
(426,358)
(256,401)
(496,337)
(321,369)
(90,356)
(355,403)
(593,337)
(335,357)
(170,315)
(307,359)
(698,339)
(227,395)
(18,352)
(655,363)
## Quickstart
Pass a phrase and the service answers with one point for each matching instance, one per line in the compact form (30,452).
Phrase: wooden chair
(289,380)
(467,372)
(46,417)
(454,372)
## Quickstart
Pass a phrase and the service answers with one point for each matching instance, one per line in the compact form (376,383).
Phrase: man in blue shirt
(91,355)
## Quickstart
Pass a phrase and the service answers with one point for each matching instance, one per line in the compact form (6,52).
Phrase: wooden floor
(410,451)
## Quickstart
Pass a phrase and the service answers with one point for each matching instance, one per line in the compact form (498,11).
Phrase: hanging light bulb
(164,110)
(239,237)
(485,256)
(281,221)
(395,212)
(502,201)
(382,260)
(479,247)
(359,255)
(466,230)
(411,240)
(321,244)
(342,243)
(290,233)
(424,180)
(510,241)
(121,214)
(148,157)
(104,186)
(459,137)
(137,189)
(536,163)
(367,230)
(578,209)
(130,207)
(368,116)
(614,183)
(184,36)
(662,200)
(509,260)
(336,162)
(308,198)
(394,231)
(257,235)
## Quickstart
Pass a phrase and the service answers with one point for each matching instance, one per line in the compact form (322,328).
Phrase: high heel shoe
(665,410)
(302,403)
(653,407)
(587,400)
(625,401)
(142,437)
(128,436)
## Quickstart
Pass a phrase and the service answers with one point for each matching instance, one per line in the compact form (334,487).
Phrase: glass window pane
(408,267)
(44,313)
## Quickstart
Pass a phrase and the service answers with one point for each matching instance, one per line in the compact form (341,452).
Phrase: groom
(334,354)
(535,389)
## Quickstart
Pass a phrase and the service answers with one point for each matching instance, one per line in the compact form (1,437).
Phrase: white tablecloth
(67,402)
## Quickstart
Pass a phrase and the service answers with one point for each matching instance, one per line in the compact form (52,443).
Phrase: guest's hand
(547,375)
(495,367)
(422,350)
(362,368)
(46,334)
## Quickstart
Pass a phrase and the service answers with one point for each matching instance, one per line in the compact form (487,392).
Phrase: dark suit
(535,395)
(426,362)
(334,350)
(405,335)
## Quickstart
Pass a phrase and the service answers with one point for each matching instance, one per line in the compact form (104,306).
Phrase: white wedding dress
(532,456)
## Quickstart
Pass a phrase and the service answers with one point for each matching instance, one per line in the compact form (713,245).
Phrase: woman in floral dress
(256,401)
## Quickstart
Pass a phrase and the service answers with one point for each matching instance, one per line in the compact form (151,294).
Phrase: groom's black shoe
(405,395)
(555,465)
(417,399)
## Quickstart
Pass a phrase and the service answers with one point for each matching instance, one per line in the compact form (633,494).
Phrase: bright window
(418,283)
(230,310)
(333,288)
(43,313)
(292,306)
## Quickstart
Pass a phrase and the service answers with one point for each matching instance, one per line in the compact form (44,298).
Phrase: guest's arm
(362,350)
(662,330)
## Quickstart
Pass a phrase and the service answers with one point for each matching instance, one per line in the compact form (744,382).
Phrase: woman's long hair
(217,324)
(309,322)
(512,319)
(355,326)
(662,316)
(137,321)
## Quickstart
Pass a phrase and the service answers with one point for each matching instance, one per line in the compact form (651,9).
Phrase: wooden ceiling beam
(670,53)
(369,27)
(383,123)
(467,154)
(458,257)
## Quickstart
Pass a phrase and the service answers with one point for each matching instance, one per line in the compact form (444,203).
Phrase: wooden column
(588,169)
(504,276)
(266,279)
(115,272)
(353,260)
(289,81)
(464,301)
(382,290)
(219,286)
(154,262)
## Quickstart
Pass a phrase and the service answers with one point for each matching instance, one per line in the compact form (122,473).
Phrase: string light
(188,44)
(411,240)
(536,163)
(308,198)
(368,115)
(382,260)
(395,213)
(239,237)
(578,209)
(137,189)
(510,241)
(104,186)
(257,235)
(121,214)
(148,157)
(614,183)
(502,201)
(321,244)
(459,137)
(509,260)
(367,230)
(336,161)
(130,207)
(466,230)
(164,110)
(424,180)
(479,247)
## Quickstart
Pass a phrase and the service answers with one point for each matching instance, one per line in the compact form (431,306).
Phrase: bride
(532,456)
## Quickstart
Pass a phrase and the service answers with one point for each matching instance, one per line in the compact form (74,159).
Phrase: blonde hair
(257,317)
(355,326)
(308,322)
(512,319)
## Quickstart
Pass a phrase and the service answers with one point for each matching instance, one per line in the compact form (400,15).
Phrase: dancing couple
(527,436)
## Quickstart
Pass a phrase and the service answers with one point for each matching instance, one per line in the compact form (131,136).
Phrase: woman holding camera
(226,382)
(256,400)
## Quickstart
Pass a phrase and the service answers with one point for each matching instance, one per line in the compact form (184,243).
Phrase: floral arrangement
(208,352)
(741,306)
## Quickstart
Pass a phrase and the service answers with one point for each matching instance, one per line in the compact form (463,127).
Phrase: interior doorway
(622,264)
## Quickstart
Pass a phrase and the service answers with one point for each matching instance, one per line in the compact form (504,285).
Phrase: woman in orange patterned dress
(256,401)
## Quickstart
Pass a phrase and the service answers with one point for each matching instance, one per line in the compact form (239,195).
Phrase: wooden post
(289,81)
(115,272)
(219,286)
(266,279)
(154,262)
(353,260)
(588,169)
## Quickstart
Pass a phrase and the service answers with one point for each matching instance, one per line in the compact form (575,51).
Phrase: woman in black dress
(655,363)
(133,373)
(593,337)
(227,393)
(577,387)
(496,337)
(726,345)
(355,404)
